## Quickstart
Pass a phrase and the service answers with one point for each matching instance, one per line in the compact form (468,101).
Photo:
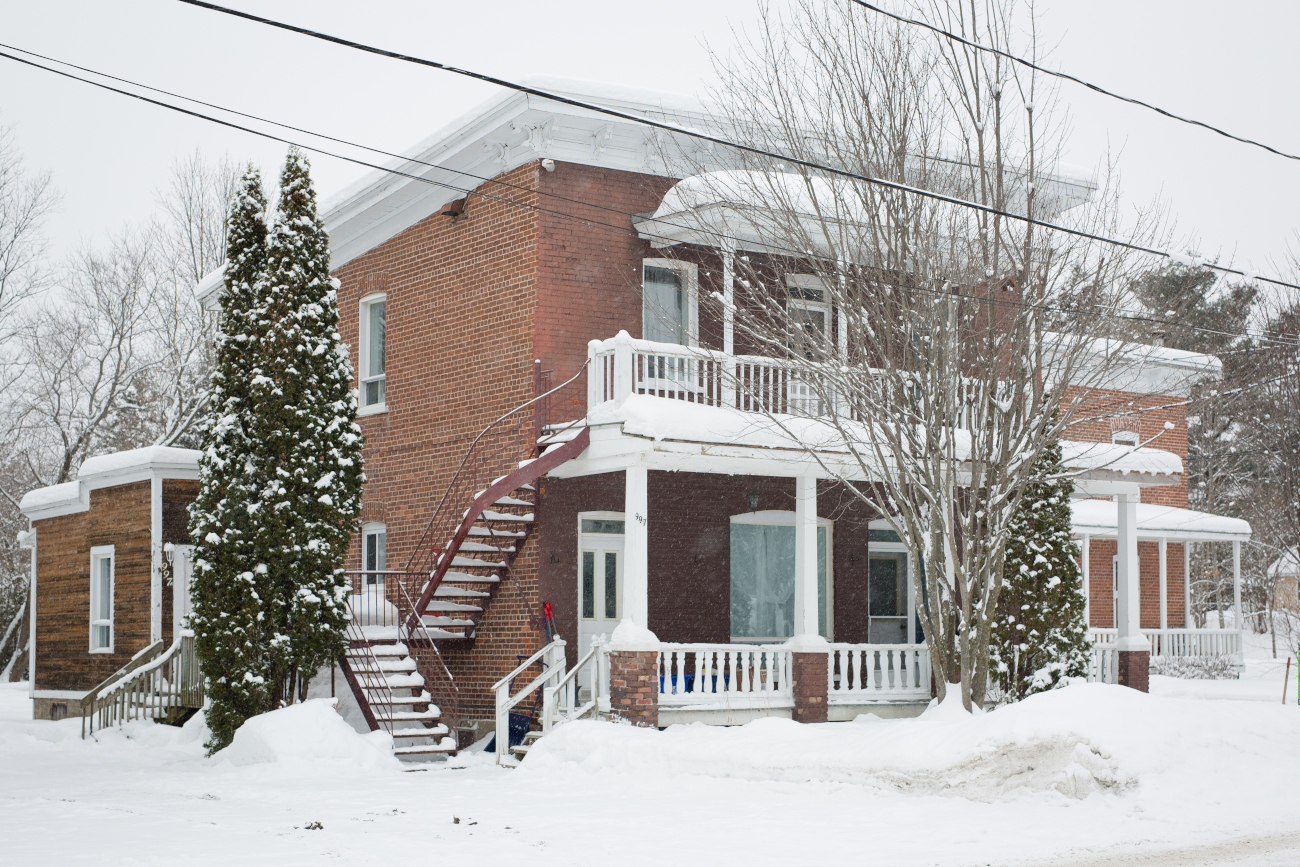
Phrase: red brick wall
(1101,578)
(1107,411)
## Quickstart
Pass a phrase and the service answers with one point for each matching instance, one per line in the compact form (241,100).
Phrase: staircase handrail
(449,712)
(551,656)
(135,672)
(565,686)
(509,482)
(419,546)
(142,657)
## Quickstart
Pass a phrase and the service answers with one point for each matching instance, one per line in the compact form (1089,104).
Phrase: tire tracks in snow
(1255,850)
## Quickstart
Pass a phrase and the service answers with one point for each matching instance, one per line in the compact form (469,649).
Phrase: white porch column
(1128,614)
(729,300)
(805,555)
(1087,586)
(155,559)
(1164,586)
(1187,585)
(636,547)
(1236,586)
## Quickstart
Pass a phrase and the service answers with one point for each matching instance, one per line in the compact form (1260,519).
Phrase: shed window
(101,599)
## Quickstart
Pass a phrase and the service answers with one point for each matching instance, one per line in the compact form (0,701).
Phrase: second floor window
(666,314)
(373,328)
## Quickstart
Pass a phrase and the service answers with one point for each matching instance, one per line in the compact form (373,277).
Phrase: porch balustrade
(878,672)
(733,674)
(1181,642)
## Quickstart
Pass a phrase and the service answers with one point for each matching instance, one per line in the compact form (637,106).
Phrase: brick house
(549,453)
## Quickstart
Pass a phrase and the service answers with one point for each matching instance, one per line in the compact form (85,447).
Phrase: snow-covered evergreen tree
(230,620)
(1039,637)
(306,434)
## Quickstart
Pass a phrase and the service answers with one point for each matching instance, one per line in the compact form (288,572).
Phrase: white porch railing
(551,658)
(735,675)
(562,702)
(1181,642)
(862,673)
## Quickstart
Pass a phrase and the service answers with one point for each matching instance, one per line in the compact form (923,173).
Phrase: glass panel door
(887,598)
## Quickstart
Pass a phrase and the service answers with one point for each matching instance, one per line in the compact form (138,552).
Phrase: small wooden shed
(110,569)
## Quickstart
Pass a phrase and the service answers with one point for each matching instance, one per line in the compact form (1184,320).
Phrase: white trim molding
(98,555)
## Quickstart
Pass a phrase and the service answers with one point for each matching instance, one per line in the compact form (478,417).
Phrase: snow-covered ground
(1197,773)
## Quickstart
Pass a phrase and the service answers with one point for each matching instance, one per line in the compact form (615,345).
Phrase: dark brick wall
(810,686)
(690,549)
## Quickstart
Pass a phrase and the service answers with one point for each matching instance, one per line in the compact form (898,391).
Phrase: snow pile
(1032,746)
(312,736)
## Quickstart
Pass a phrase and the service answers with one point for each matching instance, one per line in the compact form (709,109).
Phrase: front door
(182,571)
(600,581)
(887,598)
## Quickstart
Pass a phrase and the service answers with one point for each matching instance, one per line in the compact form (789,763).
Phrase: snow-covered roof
(500,134)
(1287,564)
(104,471)
(1100,518)
(661,419)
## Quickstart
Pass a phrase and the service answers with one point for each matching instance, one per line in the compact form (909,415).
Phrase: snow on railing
(878,672)
(166,684)
(734,674)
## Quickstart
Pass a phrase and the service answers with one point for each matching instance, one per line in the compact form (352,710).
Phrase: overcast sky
(1232,65)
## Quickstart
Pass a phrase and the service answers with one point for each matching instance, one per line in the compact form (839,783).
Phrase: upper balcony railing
(622,366)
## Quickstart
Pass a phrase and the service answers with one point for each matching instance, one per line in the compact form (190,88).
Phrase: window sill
(373,409)
(101,650)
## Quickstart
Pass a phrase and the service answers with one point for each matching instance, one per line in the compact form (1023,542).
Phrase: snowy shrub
(1223,667)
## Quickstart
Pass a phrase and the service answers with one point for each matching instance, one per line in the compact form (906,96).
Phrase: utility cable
(939,31)
(791,160)
(505,200)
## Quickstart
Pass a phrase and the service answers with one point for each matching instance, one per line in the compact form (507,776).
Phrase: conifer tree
(1040,637)
(232,631)
(307,436)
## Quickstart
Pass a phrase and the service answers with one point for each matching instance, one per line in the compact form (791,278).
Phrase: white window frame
(1124,438)
(99,553)
(811,281)
(618,588)
(363,350)
(781,518)
(690,273)
(368,529)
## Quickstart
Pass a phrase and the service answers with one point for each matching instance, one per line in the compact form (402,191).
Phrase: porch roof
(676,434)
(1098,518)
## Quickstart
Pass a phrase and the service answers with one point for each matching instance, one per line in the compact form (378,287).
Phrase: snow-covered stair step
(389,649)
(452,606)
(421,732)
(496,534)
(446,745)
(489,515)
(439,634)
(445,590)
(465,577)
(415,680)
(433,714)
(479,547)
(525,488)
(398,700)
(470,562)
(512,501)
(439,620)
(389,664)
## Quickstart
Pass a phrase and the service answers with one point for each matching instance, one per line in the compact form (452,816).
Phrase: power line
(645,121)
(505,200)
(1067,77)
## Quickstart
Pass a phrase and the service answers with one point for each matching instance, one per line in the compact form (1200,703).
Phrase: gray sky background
(1232,65)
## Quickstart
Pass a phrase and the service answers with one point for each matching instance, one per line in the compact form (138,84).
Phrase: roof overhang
(106,471)
(1098,518)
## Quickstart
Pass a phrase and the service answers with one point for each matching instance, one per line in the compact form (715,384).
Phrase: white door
(600,581)
(182,571)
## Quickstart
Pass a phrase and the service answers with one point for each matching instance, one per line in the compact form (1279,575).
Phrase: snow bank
(371,608)
(312,736)
(943,752)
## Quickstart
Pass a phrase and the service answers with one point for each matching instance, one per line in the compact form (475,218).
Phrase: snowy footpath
(1198,773)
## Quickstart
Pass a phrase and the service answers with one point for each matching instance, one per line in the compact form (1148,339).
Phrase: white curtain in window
(664,317)
(762,580)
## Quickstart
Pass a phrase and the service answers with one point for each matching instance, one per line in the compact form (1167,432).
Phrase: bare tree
(942,360)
